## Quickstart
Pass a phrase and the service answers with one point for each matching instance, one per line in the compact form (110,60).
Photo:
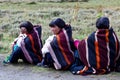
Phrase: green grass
(48,5)
(81,15)
(6,44)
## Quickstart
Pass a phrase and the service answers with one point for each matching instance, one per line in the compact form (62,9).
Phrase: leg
(77,58)
(21,56)
(77,64)
(47,61)
(15,55)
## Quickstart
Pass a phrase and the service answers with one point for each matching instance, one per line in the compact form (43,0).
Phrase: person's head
(56,25)
(102,23)
(26,27)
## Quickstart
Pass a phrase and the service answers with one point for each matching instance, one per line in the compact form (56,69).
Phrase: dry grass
(82,16)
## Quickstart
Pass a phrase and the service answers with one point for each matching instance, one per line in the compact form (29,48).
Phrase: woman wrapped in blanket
(99,53)
(59,48)
(28,45)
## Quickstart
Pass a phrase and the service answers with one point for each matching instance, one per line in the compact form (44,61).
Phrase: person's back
(99,52)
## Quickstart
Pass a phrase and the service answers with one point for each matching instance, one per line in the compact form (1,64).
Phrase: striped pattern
(31,46)
(99,52)
(61,49)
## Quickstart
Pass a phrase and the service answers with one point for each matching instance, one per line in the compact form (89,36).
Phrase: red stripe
(83,70)
(106,35)
(97,55)
(32,41)
(62,49)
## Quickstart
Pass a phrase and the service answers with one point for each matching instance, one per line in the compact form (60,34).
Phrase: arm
(45,46)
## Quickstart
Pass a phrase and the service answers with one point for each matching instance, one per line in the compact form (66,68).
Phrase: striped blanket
(31,46)
(61,49)
(98,53)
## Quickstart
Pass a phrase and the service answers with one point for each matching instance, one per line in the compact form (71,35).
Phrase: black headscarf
(102,23)
(28,25)
(57,22)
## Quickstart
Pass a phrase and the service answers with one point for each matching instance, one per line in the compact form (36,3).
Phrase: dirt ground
(30,72)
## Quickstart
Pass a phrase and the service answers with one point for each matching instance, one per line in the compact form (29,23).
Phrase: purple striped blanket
(61,49)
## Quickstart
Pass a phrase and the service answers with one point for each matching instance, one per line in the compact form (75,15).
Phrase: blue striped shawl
(99,52)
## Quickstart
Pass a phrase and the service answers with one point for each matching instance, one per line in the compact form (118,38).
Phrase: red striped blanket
(61,49)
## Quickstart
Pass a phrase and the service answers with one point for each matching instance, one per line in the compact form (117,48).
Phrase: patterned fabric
(61,49)
(98,53)
(32,44)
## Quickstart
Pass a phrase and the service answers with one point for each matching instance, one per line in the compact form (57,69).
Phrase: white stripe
(87,55)
(96,36)
(84,68)
(119,47)
(56,63)
(78,72)
(96,40)
(69,47)
(108,55)
(94,71)
(26,52)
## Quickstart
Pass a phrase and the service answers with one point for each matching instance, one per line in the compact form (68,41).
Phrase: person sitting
(99,53)
(58,49)
(28,45)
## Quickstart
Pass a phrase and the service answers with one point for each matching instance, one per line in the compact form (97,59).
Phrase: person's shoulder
(37,25)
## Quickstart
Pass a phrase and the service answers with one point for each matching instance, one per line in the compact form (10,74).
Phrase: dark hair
(28,25)
(57,22)
(102,23)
